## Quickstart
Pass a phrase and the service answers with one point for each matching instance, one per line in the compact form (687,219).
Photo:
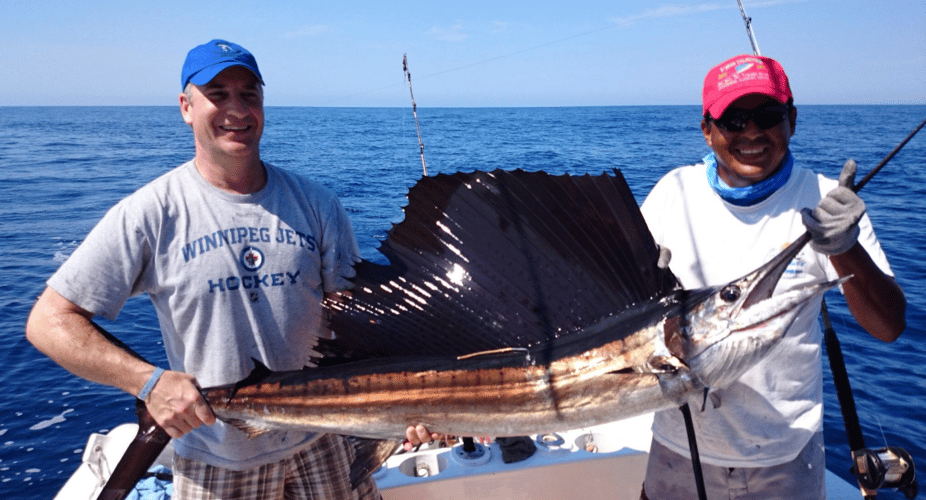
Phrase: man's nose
(237,105)
(751,129)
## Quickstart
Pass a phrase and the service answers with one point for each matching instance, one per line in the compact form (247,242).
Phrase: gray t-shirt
(232,277)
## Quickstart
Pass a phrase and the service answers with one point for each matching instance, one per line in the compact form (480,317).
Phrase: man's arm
(64,332)
(874,298)
(876,301)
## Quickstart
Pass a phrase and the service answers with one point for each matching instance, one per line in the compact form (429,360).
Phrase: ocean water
(61,168)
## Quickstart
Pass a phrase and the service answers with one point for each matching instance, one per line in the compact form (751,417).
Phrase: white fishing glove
(834,222)
(665,255)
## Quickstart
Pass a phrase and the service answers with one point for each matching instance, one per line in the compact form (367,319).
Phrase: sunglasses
(735,120)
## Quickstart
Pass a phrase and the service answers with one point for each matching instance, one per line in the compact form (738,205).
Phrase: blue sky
(472,53)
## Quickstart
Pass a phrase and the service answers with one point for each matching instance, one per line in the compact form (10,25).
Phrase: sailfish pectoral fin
(251,429)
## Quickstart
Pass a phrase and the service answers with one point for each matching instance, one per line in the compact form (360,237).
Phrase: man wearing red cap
(761,437)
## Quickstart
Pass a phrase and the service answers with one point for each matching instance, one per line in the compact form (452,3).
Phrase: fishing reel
(888,467)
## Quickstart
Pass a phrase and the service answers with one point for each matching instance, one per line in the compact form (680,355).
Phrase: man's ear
(706,130)
(185,105)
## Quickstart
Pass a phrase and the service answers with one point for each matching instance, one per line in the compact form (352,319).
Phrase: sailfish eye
(730,293)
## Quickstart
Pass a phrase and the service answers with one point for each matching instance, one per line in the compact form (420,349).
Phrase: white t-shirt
(768,415)
(232,277)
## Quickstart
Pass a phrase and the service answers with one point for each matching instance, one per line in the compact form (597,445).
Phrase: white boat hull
(561,468)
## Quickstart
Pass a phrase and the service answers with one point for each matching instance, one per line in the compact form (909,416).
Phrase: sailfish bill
(515,303)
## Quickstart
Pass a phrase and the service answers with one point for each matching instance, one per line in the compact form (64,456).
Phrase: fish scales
(512,390)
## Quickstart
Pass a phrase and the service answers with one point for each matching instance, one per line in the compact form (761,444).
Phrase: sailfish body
(516,303)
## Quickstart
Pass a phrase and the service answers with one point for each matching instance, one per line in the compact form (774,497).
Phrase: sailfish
(515,303)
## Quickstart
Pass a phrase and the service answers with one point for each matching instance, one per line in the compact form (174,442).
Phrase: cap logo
(741,74)
(225,48)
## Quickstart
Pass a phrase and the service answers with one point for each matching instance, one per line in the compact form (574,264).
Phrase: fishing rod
(408,76)
(748,21)
(887,158)
(469,444)
(806,237)
(882,468)
(887,467)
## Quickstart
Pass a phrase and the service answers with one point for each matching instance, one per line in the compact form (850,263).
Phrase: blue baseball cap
(206,61)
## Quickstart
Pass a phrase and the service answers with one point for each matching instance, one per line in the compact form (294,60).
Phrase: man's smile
(752,151)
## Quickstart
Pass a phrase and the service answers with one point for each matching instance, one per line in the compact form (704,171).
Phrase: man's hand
(833,224)
(417,435)
(176,404)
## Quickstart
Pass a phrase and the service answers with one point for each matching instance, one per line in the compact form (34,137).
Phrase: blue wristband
(146,390)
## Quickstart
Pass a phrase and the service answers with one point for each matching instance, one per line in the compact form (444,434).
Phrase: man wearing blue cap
(236,255)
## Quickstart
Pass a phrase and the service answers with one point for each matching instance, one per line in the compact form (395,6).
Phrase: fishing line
(481,62)
(615,24)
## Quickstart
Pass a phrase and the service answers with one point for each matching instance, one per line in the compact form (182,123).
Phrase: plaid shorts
(317,472)
(669,476)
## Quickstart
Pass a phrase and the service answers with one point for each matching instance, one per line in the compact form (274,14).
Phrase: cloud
(499,26)
(310,31)
(683,10)
(453,33)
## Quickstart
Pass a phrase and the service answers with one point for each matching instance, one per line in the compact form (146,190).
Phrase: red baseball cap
(741,75)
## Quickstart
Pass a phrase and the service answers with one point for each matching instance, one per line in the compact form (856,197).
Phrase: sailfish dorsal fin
(485,261)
